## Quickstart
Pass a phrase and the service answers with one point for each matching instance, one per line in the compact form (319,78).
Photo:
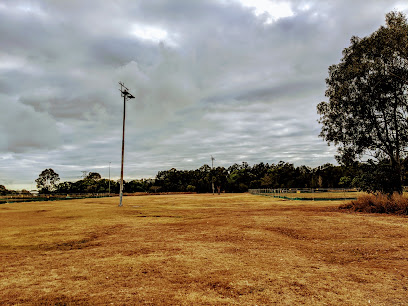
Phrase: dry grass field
(200,250)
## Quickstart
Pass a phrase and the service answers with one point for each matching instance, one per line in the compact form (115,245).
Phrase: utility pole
(109,177)
(212,168)
(126,96)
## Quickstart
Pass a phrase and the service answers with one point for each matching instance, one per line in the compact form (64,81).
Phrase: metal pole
(123,151)
(126,96)
(212,178)
(109,177)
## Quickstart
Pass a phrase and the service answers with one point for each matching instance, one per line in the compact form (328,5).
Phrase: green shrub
(190,188)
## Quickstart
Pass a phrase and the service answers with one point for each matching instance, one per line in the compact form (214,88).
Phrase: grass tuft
(381,203)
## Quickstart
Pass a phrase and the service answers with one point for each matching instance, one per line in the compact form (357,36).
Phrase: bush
(190,188)
(381,203)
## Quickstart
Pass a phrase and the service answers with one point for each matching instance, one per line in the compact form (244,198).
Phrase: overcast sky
(235,79)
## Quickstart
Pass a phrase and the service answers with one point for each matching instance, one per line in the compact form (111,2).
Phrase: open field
(200,250)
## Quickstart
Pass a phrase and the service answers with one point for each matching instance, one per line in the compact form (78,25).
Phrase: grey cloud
(274,92)
(23,129)
(222,83)
(118,51)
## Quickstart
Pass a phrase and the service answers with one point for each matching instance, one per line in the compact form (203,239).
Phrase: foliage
(90,185)
(93,176)
(371,177)
(239,178)
(190,188)
(219,177)
(47,181)
(345,181)
(367,110)
(3,190)
(142,185)
(380,203)
(376,177)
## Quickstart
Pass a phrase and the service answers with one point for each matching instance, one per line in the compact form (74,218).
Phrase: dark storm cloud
(209,78)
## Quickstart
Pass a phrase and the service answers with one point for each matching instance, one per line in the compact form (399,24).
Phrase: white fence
(308,194)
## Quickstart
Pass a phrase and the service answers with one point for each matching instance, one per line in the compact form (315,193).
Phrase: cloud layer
(234,79)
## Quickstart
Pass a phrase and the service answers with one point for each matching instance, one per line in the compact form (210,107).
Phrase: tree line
(368,176)
(48,182)
(4,191)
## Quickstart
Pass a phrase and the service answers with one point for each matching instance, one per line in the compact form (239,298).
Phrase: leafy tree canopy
(94,176)
(367,111)
(47,181)
(3,190)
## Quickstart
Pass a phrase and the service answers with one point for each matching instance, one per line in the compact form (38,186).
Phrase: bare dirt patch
(200,250)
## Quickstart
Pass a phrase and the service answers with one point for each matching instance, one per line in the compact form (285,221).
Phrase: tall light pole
(212,168)
(109,178)
(126,96)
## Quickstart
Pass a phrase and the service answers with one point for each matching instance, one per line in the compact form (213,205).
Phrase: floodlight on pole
(126,96)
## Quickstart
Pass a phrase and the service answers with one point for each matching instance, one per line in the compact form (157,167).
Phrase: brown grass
(200,250)
(383,204)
